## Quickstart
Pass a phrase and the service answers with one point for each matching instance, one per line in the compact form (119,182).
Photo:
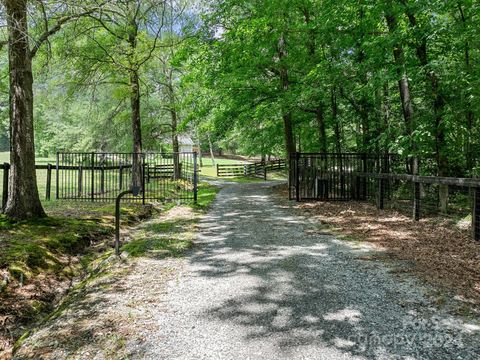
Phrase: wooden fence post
(6,172)
(217,172)
(49,182)
(416,201)
(476,214)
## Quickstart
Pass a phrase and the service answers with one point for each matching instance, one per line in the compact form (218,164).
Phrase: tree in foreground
(23,198)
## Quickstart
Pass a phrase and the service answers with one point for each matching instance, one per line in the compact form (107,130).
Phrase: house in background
(185,143)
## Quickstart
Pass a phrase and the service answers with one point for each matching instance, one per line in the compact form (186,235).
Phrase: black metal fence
(373,178)
(102,176)
(331,176)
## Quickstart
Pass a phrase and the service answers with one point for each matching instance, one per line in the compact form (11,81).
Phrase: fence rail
(102,176)
(364,177)
(257,170)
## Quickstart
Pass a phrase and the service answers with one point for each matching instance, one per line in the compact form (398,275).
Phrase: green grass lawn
(211,171)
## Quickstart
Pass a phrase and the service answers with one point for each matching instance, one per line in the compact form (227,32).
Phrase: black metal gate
(331,176)
(102,176)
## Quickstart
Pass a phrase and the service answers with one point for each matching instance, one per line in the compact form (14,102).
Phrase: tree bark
(469,114)
(211,148)
(438,108)
(322,133)
(403,86)
(336,125)
(136,127)
(135,108)
(175,146)
(23,200)
(287,114)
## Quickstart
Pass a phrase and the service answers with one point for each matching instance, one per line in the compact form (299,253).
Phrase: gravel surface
(263,282)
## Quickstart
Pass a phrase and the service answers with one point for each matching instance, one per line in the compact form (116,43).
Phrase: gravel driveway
(265,283)
(262,282)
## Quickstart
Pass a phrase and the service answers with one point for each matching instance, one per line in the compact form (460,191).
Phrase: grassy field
(211,171)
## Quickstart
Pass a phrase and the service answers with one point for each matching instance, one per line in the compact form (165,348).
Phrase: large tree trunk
(174,116)
(469,114)
(322,132)
(287,114)
(404,87)
(336,125)
(175,146)
(136,127)
(210,145)
(438,107)
(23,198)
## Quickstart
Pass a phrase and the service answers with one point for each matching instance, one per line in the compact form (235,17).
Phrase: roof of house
(185,140)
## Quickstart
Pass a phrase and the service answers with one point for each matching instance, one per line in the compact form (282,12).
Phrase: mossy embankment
(41,259)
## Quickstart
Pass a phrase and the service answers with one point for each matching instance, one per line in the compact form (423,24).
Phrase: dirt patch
(437,249)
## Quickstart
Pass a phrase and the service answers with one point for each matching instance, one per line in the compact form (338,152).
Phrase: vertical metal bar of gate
(195,179)
(92,176)
(57,177)
(297,177)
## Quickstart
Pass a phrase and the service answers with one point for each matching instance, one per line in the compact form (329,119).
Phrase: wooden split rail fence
(254,170)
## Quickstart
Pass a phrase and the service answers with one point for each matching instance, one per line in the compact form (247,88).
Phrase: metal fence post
(120,178)
(57,177)
(6,173)
(195,179)
(297,176)
(365,179)
(476,214)
(144,190)
(416,201)
(102,179)
(381,194)
(92,195)
(49,182)
(80,181)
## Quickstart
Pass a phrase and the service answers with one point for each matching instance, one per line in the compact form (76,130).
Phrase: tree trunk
(23,198)
(211,149)
(438,108)
(175,146)
(403,86)
(469,115)
(287,114)
(336,126)
(136,127)
(322,133)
